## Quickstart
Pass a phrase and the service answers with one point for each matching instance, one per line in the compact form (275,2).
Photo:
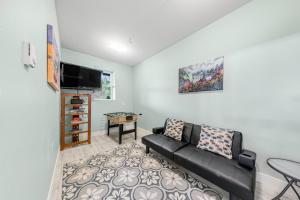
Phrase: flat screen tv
(78,77)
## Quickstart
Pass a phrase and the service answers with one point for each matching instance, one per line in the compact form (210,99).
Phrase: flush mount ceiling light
(119,47)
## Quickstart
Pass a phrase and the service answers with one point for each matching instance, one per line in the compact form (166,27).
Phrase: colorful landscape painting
(207,76)
(52,59)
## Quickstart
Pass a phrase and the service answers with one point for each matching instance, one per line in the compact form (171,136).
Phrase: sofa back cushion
(186,132)
(236,146)
(195,134)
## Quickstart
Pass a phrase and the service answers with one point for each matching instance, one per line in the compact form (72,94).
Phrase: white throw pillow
(174,128)
(216,140)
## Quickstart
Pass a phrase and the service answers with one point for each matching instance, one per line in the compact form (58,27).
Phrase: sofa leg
(147,149)
(233,197)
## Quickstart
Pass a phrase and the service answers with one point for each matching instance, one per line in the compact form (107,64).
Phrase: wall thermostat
(29,55)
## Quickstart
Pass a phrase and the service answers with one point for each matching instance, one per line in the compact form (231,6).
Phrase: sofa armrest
(247,158)
(158,130)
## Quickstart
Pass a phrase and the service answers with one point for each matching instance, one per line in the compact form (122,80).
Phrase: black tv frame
(80,88)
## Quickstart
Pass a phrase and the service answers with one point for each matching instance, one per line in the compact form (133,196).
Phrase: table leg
(135,130)
(108,125)
(292,187)
(290,183)
(120,133)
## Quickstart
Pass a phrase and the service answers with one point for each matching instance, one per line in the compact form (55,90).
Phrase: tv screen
(78,77)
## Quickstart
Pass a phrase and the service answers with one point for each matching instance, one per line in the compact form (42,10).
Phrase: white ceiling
(137,28)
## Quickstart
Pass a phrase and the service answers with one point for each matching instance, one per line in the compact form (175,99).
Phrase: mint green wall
(123,81)
(261,97)
(29,117)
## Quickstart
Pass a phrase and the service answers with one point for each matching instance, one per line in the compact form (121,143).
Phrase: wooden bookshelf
(81,126)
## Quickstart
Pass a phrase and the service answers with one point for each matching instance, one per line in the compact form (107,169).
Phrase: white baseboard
(97,133)
(143,131)
(55,175)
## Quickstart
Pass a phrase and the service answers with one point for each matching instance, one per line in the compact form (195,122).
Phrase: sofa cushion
(195,134)
(174,128)
(187,132)
(163,144)
(219,170)
(217,140)
(236,145)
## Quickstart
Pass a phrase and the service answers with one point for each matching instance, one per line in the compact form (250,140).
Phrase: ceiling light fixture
(118,47)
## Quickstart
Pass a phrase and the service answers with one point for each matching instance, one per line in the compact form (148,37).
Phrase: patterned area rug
(128,173)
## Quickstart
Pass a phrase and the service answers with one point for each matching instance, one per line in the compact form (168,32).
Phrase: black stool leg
(147,149)
(108,125)
(135,130)
(120,133)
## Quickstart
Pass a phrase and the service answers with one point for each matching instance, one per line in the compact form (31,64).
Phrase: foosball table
(119,119)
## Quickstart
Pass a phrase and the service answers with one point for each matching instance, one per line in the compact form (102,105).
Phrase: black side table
(290,171)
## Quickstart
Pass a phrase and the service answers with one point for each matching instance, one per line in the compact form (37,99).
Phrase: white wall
(123,81)
(261,97)
(29,117)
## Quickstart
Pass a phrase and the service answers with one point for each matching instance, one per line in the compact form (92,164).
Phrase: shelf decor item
(75,122)
(53,77)
(207,76)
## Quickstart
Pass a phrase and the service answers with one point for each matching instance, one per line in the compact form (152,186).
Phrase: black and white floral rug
(128,173)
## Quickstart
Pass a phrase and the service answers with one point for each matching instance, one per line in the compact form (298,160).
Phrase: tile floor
(101,144)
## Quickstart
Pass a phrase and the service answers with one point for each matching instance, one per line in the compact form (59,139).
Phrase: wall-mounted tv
(78,77)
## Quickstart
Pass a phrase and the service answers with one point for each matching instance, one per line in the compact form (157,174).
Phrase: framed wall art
(53,59)
(206,76)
